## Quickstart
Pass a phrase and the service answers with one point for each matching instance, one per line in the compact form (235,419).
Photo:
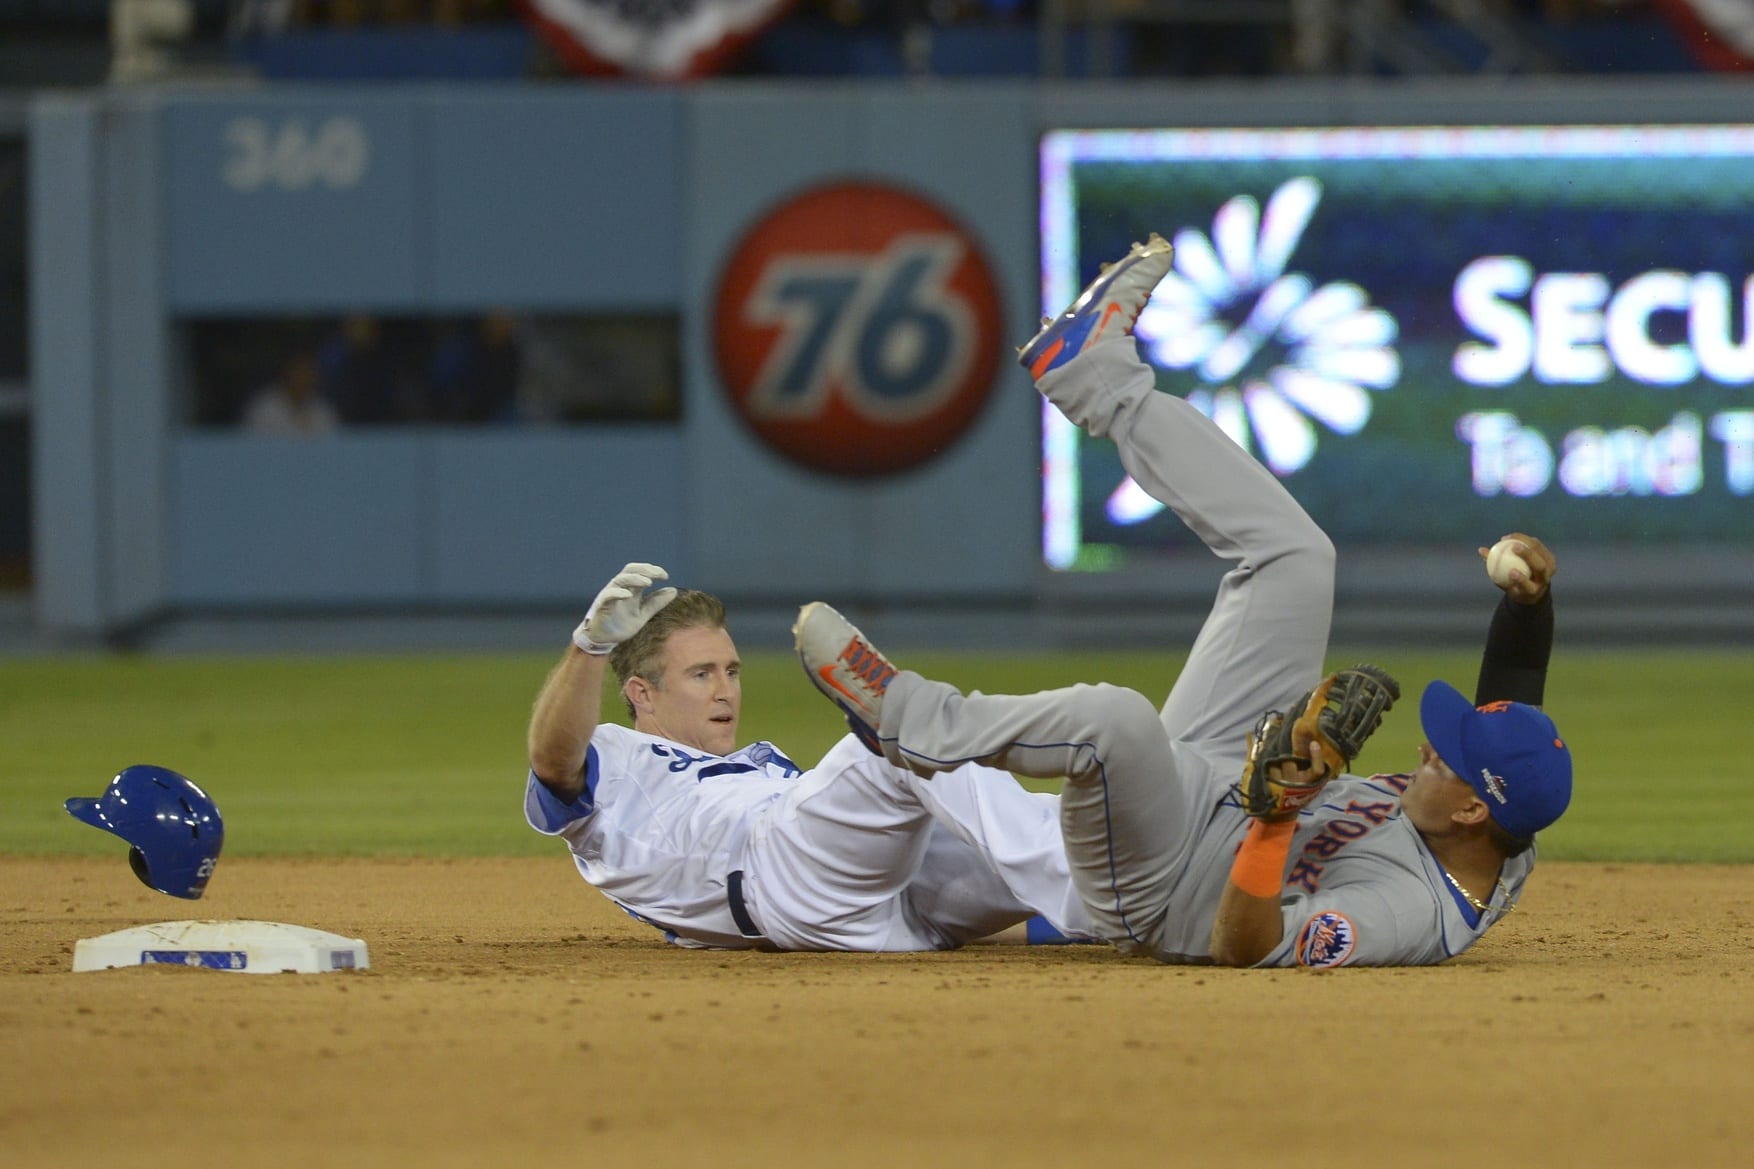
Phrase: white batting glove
(622,608)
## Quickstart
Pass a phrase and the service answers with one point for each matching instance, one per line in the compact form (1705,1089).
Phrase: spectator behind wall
(365,376)
(475,372)
(292,406)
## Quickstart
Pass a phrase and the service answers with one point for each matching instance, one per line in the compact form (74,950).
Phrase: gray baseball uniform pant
(1148,845)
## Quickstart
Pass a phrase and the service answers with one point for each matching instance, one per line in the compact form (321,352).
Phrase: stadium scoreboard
(1430,334)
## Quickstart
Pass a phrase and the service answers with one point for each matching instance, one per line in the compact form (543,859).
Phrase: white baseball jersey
(659,827)
(855,854)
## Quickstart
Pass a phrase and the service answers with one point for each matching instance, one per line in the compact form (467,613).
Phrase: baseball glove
(1333,721)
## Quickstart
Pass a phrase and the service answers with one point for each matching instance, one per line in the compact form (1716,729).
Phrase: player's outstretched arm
(563,721)
(1519,642)
(568,706)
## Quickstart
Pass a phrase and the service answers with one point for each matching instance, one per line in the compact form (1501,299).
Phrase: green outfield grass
(424,755)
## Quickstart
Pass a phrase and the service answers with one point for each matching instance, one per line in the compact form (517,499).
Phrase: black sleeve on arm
(1514,666)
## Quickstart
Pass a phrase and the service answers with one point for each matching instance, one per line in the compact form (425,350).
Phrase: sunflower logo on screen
(1273,352)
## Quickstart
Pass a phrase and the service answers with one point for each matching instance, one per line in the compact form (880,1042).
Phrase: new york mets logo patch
(1326,940)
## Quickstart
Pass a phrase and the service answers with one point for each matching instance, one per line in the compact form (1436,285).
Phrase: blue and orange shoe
(1109,305)
(845,666)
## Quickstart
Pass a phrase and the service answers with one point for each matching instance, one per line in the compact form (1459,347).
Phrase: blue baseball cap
(1510,753)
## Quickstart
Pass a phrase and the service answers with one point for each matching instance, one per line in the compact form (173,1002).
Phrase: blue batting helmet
(173,826)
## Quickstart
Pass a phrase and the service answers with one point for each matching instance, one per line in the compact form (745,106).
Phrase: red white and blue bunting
(656,40)
(1718,33)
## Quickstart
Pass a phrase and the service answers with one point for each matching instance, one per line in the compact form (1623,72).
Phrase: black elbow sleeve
(1518,645)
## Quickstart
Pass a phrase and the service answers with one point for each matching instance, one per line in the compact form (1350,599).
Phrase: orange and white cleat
(845,666)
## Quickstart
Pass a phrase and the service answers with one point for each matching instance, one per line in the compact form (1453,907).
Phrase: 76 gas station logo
(857,329)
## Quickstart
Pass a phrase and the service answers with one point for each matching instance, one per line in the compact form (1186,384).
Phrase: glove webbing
(1338,715)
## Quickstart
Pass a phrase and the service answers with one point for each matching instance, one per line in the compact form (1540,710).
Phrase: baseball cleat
(1109,305)
(845,666)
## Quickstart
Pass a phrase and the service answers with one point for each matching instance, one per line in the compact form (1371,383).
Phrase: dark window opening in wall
(14,367)
(14,502)
(315,376)
(14,320)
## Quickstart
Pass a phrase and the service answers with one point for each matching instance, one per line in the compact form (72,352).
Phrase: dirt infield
(512,1017)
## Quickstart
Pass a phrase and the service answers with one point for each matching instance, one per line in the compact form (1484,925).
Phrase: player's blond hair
(642,655)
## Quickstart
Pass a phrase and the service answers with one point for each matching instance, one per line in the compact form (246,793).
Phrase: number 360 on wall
(289,155)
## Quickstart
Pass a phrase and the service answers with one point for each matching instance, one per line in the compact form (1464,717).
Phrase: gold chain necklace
(1479,905)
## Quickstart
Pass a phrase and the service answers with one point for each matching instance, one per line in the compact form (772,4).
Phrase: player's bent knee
(1305,538)
(1317,550)
(1105,700)
(1306,551)
(1115,715)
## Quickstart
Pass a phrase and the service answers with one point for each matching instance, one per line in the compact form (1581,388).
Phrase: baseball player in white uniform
(736,848)
(1189,840)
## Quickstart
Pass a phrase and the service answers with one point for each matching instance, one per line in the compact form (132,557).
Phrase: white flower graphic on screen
(1274,353)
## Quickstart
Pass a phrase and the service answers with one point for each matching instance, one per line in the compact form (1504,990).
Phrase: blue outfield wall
(155,206)
(151,205)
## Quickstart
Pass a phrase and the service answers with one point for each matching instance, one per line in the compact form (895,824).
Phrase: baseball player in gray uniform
(1217,829)
(738,848)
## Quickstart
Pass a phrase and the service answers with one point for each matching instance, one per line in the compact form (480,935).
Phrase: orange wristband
(1259,869)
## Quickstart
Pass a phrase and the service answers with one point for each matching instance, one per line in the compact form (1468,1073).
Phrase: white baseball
(1503,560)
